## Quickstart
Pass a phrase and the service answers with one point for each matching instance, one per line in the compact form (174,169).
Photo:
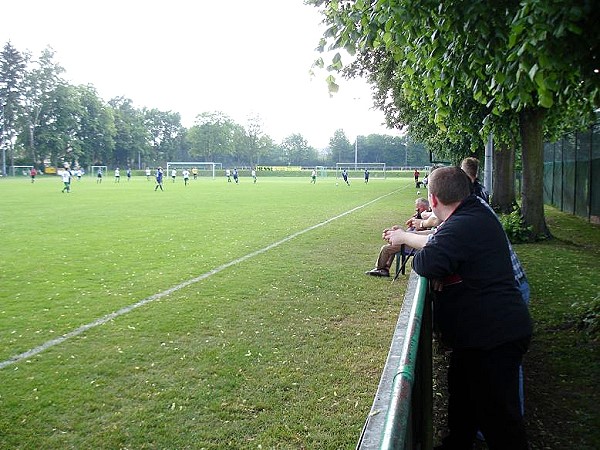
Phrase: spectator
(388,251)
(479,311)
(471,167)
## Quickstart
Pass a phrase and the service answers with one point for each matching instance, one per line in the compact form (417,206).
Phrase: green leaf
(532,72)
(546,99)
(332,86)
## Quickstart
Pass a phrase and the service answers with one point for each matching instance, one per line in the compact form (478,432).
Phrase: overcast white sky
(241,57)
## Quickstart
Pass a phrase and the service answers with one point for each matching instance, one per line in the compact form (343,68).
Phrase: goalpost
(321,170)
(204,167)
(25,170)
(94,170)
(376,170)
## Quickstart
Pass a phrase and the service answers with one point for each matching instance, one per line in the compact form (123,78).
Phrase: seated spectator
(388,251)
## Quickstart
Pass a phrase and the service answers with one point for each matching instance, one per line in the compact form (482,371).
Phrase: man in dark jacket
(478,310)
(471,167)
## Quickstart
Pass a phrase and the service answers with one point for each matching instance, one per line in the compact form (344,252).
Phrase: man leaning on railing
(477,309)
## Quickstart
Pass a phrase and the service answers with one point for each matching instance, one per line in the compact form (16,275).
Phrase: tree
(528,59)
(12,73)
(56,134)
(255,142)
(166,134)
(212,136)
(96,127)
(132,137)
(40,84)
(340,147)
(296,150)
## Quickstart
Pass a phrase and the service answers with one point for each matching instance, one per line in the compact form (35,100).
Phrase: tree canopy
(459,70)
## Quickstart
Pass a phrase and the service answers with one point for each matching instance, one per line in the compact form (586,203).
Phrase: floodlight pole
(356,152)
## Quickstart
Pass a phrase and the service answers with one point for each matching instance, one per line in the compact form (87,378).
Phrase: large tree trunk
(531,122)
(503,188)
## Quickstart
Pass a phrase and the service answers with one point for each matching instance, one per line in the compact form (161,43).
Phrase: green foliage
(589,317)
(515,227)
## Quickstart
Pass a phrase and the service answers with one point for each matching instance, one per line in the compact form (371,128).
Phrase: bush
(515,227)
(589,318)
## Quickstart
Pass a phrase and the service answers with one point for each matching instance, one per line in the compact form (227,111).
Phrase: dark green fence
(572,174)
(402,411)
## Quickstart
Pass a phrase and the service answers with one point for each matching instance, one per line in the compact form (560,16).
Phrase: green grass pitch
(280,347)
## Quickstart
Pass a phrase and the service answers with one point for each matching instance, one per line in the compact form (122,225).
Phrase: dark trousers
(484,395)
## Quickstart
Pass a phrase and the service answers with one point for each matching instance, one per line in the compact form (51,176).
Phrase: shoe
(378,273)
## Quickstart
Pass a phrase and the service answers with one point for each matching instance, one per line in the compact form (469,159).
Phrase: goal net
(376,170)
(94,170)
(20,171)
(206,169)
(321,170)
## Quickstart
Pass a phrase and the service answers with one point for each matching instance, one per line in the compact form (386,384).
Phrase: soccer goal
(21,170)
(321,170)
(94,170)
(204,168)
(376,170)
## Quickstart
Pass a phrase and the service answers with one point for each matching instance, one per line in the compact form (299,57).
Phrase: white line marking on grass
(102,320)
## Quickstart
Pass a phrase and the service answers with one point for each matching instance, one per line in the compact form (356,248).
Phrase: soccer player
(366,176)
(186,176)
(117,175)
(195,173)
(313,177)
(345,176)
(253,174)
(173,174)
(32,174)
(159,179)
(99,176)
(148,173)
(128,173)
(66,178)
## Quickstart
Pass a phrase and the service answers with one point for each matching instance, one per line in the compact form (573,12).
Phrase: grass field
(278,343)
(255,326)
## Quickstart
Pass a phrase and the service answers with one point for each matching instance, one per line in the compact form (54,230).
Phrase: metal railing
(401,415)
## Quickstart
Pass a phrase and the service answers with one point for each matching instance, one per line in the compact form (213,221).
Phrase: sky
(241,57)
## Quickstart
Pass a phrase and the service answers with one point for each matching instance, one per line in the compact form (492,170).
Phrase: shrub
(515,227)
(589,318)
